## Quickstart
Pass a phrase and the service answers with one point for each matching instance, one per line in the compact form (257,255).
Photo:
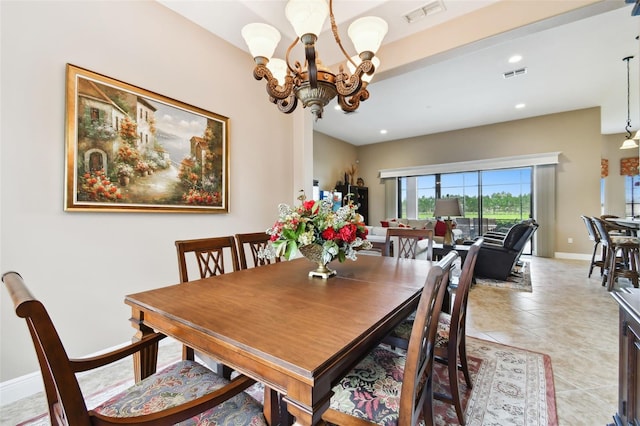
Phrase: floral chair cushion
(177,384)
(371,391)
(403,330)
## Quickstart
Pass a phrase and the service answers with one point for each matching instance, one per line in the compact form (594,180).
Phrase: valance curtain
(604,168)
(629,166)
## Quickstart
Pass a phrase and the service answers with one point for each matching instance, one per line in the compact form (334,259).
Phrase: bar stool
(594,236)
(622,256)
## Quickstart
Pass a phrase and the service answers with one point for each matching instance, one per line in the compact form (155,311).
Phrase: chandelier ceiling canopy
(312,83)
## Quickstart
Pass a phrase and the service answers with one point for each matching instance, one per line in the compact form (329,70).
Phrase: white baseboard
(20,387)
(572,256)
(30,384)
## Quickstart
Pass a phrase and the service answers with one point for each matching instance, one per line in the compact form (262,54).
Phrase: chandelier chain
(628,126)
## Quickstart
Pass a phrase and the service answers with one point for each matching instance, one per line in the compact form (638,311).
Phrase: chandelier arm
(352,103)
(348,85)
(336,36)
(310,55)
(273,87)
(288,52)
(287,105)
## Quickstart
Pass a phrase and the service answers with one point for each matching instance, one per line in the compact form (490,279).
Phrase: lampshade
(367,33)
(307,16)
(357,60)
(262,39)
(637,136)
(447,207)
(629,144)
(278,68)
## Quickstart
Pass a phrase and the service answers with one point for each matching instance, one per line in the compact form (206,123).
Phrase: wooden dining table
(296,334)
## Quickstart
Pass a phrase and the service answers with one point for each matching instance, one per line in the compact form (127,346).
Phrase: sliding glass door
(491,200)
(506,198)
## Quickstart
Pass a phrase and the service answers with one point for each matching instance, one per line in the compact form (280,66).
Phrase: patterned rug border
(550,393)
(520,280)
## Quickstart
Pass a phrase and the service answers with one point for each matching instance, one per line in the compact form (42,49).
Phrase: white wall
(83,264)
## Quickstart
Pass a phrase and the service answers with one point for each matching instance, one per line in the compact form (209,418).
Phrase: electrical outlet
(570,240)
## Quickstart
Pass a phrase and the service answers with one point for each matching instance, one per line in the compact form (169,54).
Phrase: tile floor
(568,316)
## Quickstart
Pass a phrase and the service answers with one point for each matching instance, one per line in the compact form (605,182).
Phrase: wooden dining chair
(182,391)
(209,254)
(253,243)
(451,339)
(408,243)
(451,347)
(388,387)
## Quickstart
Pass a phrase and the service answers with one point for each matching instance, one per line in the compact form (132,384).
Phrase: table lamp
(447,207)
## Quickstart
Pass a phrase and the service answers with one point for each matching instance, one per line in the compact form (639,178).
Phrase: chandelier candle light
(314,84)
(447,207)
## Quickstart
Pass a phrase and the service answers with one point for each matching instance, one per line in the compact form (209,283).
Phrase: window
(490,200)
(95,115)
(632,195)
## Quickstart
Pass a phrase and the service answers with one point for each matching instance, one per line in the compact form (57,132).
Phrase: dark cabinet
(359,196)
(629,358)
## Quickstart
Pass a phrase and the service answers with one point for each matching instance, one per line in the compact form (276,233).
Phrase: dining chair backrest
(406,243)
(209,254)
(459,310)
(253,243)
(602,229)
(591,230)
(417,383)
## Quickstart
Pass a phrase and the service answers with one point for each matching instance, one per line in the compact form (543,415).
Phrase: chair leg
(464,365)
(606,272)
(612,269)
(455,391)
(593,258)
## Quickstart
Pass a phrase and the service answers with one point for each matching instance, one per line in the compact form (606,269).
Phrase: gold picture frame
(132,150)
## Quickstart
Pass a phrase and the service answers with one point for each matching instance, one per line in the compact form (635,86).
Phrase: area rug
(511,386)
(519,280)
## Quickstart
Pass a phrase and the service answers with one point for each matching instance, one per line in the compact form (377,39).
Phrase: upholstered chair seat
(396,388)
(177,384)
(371,391)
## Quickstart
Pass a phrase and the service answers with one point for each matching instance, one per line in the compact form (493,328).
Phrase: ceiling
(572,62)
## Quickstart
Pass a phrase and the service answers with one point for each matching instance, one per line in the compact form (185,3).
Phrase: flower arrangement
(334,234)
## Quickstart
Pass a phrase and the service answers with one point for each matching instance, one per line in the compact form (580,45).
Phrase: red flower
(329,234)
(308,205)
(348,233)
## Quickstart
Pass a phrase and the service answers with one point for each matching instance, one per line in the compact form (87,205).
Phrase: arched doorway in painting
(96,161)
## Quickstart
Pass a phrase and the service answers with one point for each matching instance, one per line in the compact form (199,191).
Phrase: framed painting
(129,149)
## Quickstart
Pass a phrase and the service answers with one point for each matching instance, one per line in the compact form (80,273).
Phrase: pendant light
(629,142)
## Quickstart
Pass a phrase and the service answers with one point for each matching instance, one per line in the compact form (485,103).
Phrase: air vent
(427,9)
(514,73)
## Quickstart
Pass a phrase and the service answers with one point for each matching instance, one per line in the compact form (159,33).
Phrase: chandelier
(629,142)
(313,84)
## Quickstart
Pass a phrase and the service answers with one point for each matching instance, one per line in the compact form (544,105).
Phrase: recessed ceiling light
(520,106)
(383,132)
(515,58)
